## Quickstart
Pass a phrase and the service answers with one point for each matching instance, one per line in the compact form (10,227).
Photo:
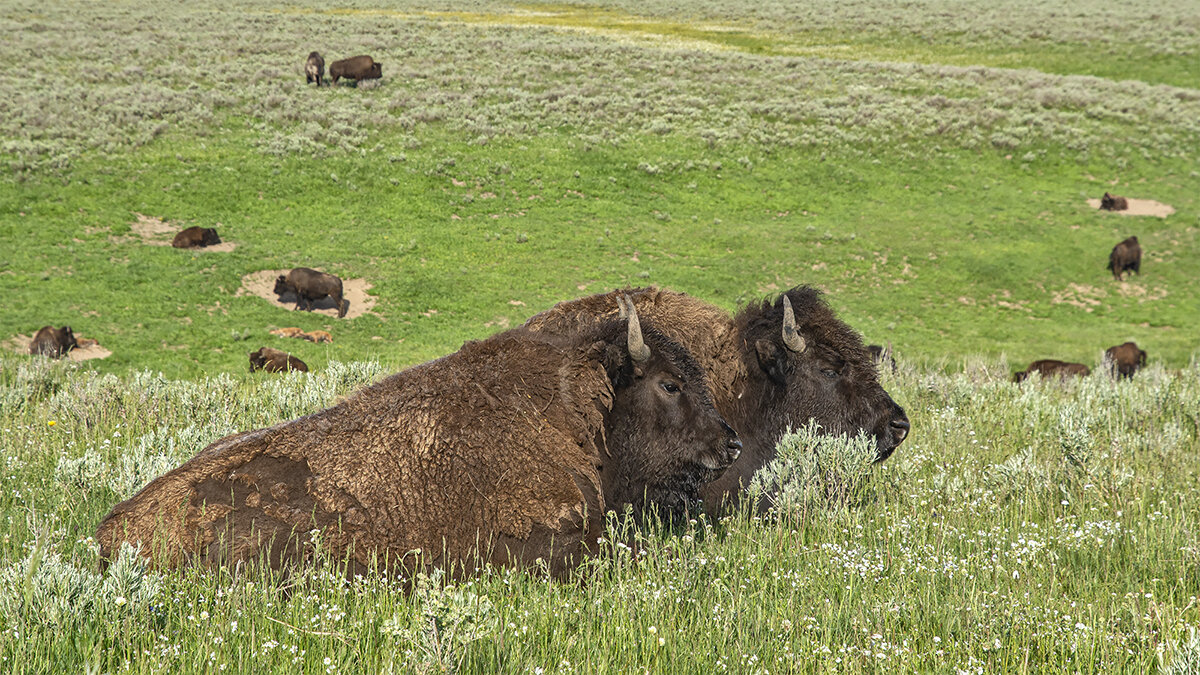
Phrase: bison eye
(829,372)
(670,387)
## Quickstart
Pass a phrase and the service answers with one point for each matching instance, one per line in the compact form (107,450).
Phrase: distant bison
(507,452)
(289,332)
(882,356)
(1052,368)
(1113,203)
(317,336)
(1125,359)
(357,68)
(309,285)
(314,68)
(1126,255)
(196,237)
(54,342)
(275,361)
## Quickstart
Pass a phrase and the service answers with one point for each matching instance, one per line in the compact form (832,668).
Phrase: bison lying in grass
(309,285)
(775,365)
(1053,368)
(196,237)
(505,452)
(1125,359)
(53,342)
(275,361)
(1126,255)
(1113,203)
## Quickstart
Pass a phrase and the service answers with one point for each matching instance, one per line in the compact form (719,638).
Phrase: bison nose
(900,429)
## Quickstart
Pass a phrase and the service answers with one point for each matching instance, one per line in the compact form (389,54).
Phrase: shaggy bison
(196,237)
(773,366)
(309,285)
(1053,368)
(357,68)
(1113,203)
(1126,255)
(506,452)
(275,361)
(1125,359)
(314,68)
(53,342)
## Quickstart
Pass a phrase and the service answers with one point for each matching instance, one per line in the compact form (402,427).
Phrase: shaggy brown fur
(1126,255)
(1113,203)
(196,237)
(759,385)
(1053,368)
(1125,359)
(314,68)
(309,285)
(507,451)
(275,361)
(54,342)
(357,68)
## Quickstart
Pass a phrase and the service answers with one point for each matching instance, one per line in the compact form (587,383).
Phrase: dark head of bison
(820,370)
(671,438)
(281,285)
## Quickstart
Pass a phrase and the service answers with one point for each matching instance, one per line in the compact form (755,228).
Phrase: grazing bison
(882,356)
(1113,203)
(54,342)
(275,361)
(314,68)
(1126,255)
(1052,368)
(507,452)
(357,68)
(1125,359)
(773,366)
(309,285)
(196,237)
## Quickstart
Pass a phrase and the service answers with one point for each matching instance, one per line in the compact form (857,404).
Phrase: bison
(289,332)
(309,285)
(1126,255)
(275,361)
(196,237)
(358,68)
(882,356)
(1053,368)
(53,342)
(1113,203)
(507,452)
(314,68)
(773,366)
(317,336)
(1125,359)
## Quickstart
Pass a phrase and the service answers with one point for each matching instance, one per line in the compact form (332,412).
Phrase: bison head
(210,237)
(281,285)
(68,339)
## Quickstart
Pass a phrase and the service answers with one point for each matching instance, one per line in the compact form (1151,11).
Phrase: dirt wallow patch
(86,350)
(1140,207)
(158,232)
(262,284)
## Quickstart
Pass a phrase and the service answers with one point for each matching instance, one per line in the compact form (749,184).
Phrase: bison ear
(772,360)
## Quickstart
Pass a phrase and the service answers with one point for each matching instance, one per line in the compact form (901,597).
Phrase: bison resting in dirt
(1113,203)
(196,237)
(1125,359)
(314,68)
(505,452)
(1126,255)
(1053,368)
(275,361)
(309,285)
(773,366)
(357,68)
(53,342)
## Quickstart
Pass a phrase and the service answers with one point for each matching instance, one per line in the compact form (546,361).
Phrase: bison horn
(791,337)
(638,350)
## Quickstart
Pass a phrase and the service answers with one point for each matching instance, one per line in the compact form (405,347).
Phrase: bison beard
(506,452)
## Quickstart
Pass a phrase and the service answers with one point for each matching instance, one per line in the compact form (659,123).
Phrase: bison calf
(309,285)
(357,68)
(196,237)
(275,361)
(1053,368)
(1125,359)
(1113,203)
(53,342)
(1126,255)
(314,68)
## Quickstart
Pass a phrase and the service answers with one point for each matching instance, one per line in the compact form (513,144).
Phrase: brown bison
(309,285)
(1113,203)
(1126,255)
(196,237)
(317,336)
(1053,368)
(53,342)
(314,68)
(773,366)
(882,356)
(275,361)
(1125,359)
(506,452)
(357,68)
(289,332)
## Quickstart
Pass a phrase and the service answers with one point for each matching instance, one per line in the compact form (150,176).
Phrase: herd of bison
(512,450)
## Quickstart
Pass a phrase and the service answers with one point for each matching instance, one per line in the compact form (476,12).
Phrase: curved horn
(791,338)
(638,350)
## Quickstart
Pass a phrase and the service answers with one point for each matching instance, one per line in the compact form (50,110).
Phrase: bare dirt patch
(158,232)
(1140,207)
(87,350)
(1083,296)
(262,284)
